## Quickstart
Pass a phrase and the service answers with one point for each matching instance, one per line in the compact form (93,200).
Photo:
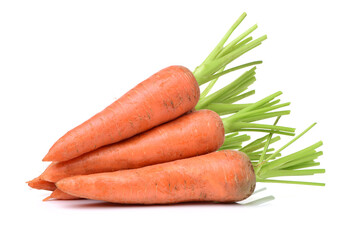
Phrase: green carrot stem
(294,139)
(231,135)
(272,103)
(299,160)
(236,46)
(228,47)
(225,60)
(241,87)
(204,71)
(258,145)
(259,152)
(282,173)
(234,146)
(234,142)
(265,116)
(220,45)
(267,143)
(267,131)
(221,73)
(238,126)
(290,165)
(240,138)
(242,114)
(279,162)
(303,165)
(256,141)
(224,91)
(225,108)
(252,107)
(239,97)
(210,86)
(257,157)
(290,182)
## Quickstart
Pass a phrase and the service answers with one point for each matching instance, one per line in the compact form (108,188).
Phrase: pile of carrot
(166,142)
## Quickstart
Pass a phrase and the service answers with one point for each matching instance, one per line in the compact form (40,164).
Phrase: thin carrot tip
(47,198)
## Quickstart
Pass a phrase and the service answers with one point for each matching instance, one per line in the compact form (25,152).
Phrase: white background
(63,61)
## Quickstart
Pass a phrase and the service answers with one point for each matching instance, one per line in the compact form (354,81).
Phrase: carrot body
(164,96)
(224,176)
(60,195)
(193,134)
(41,184)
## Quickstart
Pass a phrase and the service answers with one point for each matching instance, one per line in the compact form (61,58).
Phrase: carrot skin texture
(162,97)
(193,134)
(57,194)
(41,184)
(224,176)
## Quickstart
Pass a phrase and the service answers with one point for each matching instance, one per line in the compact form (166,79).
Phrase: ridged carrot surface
(224,176)
(193,134)
(162,97)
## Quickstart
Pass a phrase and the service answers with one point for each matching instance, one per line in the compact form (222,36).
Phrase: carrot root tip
(47,198)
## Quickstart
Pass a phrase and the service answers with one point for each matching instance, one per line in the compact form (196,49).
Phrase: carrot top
(213,66)
(269,165)
(241,117)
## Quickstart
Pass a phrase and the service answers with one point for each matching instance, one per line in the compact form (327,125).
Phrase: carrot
(224,176)
(164,96)
(193,134)
(41,184)
(93,156)
(60,195)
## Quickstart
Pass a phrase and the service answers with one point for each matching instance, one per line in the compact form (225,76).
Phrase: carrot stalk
(267,131)
(266,146)
(239,97)
(224,109)
(290,182)
(221,93)
(213,66)
(220,45)
(294,139)
(285,160)
(303,165)
(256,145)
(231,141)
(204,72)
(295,164)
(280,173)
(221,73)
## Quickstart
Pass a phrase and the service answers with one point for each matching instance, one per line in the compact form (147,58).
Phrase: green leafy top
(213,66)
(268,165)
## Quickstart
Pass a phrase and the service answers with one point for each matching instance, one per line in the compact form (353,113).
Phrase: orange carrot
(164,96)
(193,134)
(41,184)
(60,195)
(224,176)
